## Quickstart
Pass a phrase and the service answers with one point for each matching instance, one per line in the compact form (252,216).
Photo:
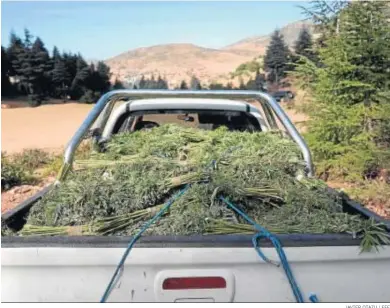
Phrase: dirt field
(50,127)
(47,127)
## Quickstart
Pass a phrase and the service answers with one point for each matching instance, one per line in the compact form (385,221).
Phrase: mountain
(175,62)
(178,62)
(257,45)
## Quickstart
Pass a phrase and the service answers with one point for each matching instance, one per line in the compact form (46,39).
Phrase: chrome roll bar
(106,103)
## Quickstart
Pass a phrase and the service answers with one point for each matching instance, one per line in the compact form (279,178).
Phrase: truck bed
(78,268)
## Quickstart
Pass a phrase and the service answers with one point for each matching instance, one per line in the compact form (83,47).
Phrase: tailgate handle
(186,283)
(194,285)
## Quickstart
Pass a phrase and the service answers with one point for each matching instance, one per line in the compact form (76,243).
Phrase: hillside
(178,62)
(257,45)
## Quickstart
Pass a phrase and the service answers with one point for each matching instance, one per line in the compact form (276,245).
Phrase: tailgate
(208,274)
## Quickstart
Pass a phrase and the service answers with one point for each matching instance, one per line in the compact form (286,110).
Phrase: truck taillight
(185,283)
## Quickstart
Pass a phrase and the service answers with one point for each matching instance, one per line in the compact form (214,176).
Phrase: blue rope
(313,298)
(119,268)
(264,233)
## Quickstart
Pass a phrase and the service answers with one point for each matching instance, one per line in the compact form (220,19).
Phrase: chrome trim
(171,104)
(107,101)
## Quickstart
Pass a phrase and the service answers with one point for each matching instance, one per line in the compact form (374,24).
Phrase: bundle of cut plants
(117,191)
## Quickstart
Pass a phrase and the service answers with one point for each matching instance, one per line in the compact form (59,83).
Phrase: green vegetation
(183,85)
(195,84)
(348,130)
(27,167)
(218,86)
(277,58)
(39,75)
(152,83)
(6,85)
(32,165)
(326,18)
(12,173)
(304,46)
(257,84)
(248,68)
(116,191)
(19,169)
(31,159)
(118,85)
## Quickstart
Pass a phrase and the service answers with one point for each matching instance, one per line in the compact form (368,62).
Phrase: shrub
(21,168)
(90,97)
(35,100)
(31,159)
(12,174)
(53,166)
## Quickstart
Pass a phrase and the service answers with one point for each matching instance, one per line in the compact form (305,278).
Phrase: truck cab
(192,112)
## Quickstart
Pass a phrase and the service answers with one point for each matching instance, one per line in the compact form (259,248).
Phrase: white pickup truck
(202,268)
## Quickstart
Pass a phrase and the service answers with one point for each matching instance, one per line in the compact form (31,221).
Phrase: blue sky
(100,30)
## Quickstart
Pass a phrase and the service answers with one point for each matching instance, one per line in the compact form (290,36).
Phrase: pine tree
(326,18)
(70,61)
(80,81)
(183,85)
(242,85)
(60,78)
(33,61)
(97,80)
(118,85)
(349,116)
(14,50)
(19,57)
(104,73)
(83,70)
(27,39)
(229,86)
(5,65)
(37,74)
(56,53)
(151,83)
(161,83)
(304,45)
(6,87)
(195,84)
(277,58)
(142,83)
(165,84)
(42,66)
(25,70)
